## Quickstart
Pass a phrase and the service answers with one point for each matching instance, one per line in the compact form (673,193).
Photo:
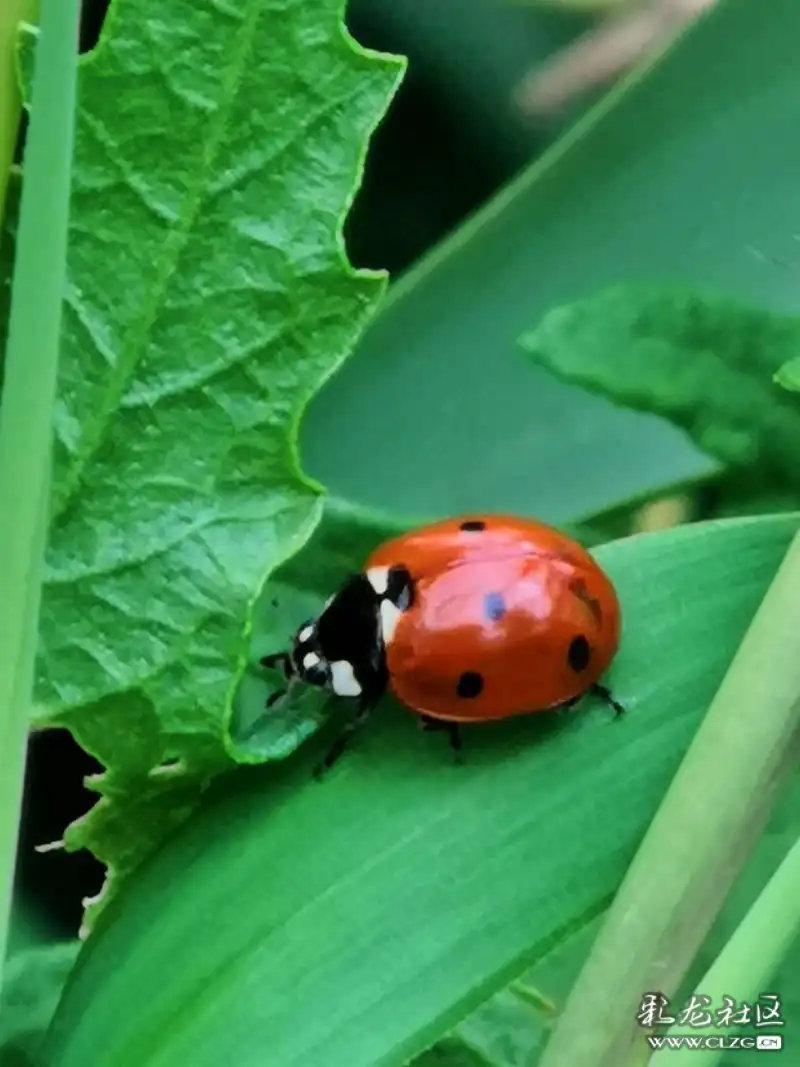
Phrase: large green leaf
(511,1028)
(705,362)
(354,922)
(217,151)
(686,174)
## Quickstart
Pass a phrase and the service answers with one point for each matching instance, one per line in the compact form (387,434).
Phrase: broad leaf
(686,172)
(705,362)
(218,147)
(511,1028)
(357,921)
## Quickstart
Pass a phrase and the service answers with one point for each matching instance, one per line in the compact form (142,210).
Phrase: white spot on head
(343,680)
(378,578)
(311,659)
(390,616)
(305,634)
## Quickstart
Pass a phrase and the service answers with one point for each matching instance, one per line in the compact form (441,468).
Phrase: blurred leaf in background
(661,182)
(705,362)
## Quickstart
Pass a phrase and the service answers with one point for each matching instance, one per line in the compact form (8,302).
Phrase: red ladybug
(466,620)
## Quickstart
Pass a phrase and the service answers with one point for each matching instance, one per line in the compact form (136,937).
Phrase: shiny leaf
(356,921)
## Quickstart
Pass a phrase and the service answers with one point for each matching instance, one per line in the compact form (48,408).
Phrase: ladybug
(470,619)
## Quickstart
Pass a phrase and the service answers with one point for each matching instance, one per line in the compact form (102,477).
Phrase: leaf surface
(34,979)
(403,891)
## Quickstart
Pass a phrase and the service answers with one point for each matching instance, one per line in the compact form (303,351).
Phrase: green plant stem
(12,12)
(750,958)
(713,811)
(26,416)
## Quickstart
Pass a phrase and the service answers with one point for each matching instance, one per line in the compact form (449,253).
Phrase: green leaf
(687,172)
(31,988)
(789,375)
(510,1029)
(403,891)
(8,236)
(704,362)
(209,295)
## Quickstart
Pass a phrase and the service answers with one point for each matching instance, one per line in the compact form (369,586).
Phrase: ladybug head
(342,650)
(313,659)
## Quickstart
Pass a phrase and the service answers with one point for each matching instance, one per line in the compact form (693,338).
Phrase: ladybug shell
(508,616)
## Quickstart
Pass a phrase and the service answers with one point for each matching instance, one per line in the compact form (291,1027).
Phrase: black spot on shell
(470,685)
(473,525)
(494,606)
(579,654)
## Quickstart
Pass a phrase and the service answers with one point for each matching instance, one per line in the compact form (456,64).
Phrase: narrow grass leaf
(748,962)
(677,882)
(26,425)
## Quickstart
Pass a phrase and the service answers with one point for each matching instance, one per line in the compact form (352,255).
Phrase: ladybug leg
(365,709)
(605,694)
(283,663)
(561,708)
(429,724)
(276,659)
(456,741)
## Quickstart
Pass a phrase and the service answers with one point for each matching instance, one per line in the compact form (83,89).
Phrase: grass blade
(685,864)
(28,402)
(751,956)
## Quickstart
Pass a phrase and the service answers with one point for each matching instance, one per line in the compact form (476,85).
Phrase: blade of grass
(716,804)
(751,956)
(28,400)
